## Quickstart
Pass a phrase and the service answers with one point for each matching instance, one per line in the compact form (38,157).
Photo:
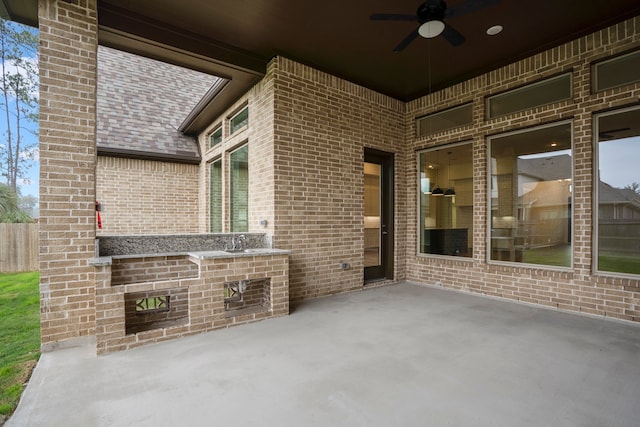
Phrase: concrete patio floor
(400,355)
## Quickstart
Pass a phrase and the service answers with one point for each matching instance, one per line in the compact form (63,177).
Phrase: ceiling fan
(609,134)
(431,15)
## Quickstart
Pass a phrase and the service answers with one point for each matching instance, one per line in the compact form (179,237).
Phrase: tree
(28,204)
(634,186)
(9,211)
(19,86)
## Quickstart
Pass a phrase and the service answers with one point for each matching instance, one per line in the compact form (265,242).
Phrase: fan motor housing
(431,10)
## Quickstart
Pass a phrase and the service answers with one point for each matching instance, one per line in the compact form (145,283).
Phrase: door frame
(387,220)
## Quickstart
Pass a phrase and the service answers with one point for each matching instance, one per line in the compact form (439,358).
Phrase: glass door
(378,215)
(372,214)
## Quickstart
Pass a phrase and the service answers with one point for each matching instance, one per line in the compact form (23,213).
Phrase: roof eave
(149,155)
(22,11)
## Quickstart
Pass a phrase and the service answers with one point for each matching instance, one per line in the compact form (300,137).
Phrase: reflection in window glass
(239,121)
(443,120)
(533,95)
(215,138)
(618,187)
(615,72)
(372,214)
(531,196)
(446,201)
(239,189)
(216,197)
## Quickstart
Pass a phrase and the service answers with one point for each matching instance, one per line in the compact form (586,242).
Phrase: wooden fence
(18,248)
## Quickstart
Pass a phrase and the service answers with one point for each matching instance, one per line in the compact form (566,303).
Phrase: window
(444,120)
(446,201)
(534,95)
(216,137)
(615,72)
(215,196)
(239,121)
(530,196)
(618,191)
(239,189)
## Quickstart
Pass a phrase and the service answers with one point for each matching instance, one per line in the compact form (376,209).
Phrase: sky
(30,185)
(620,162)
(33,172)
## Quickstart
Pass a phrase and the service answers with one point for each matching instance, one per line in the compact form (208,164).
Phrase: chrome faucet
(237,242)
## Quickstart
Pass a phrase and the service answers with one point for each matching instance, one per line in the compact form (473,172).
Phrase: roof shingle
(141,102)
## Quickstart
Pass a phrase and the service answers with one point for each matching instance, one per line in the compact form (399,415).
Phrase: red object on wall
(98,218)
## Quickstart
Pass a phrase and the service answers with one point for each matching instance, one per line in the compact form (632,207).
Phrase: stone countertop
(107,260)
(174,244)
(245,253)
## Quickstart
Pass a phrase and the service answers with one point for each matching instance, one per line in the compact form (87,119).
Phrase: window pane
(239,121)
(216,196)
(534,95)
(446,201)
(619,192)
(619,71)
(531,191)
(215,138)
(372,214)
(443,120)
(239,186)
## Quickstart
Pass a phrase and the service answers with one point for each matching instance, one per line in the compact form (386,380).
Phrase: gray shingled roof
(141,103)
(546,168)
(609,194)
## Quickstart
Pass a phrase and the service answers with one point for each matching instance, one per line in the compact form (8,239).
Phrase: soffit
(236,39)
(337,36)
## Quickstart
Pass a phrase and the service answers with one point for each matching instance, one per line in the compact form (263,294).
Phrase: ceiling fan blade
(404,43)
(616,130)
(392,17)
(451,35)
(609,134)
(469,6)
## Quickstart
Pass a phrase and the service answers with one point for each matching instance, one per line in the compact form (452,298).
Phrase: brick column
(68,46)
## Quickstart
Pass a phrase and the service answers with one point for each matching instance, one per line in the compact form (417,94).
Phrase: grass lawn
(559,256)
(19,335)
(621,263)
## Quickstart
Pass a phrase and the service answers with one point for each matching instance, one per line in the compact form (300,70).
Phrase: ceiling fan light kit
(431,29)
(431,17)
(495,30)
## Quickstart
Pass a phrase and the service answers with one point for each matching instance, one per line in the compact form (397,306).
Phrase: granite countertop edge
(108,260)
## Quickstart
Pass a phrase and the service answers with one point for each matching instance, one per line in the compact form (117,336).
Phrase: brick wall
(259,134)
(151,269)
(68,45)
(176,312)
(147,197)
(307,134)
(322,125)
(117,328)
(577,289)
(257,295)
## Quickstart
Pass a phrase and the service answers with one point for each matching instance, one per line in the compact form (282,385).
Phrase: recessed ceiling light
(496,29)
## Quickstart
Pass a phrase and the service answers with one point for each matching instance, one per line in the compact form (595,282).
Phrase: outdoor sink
(246,251)
(227,253)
